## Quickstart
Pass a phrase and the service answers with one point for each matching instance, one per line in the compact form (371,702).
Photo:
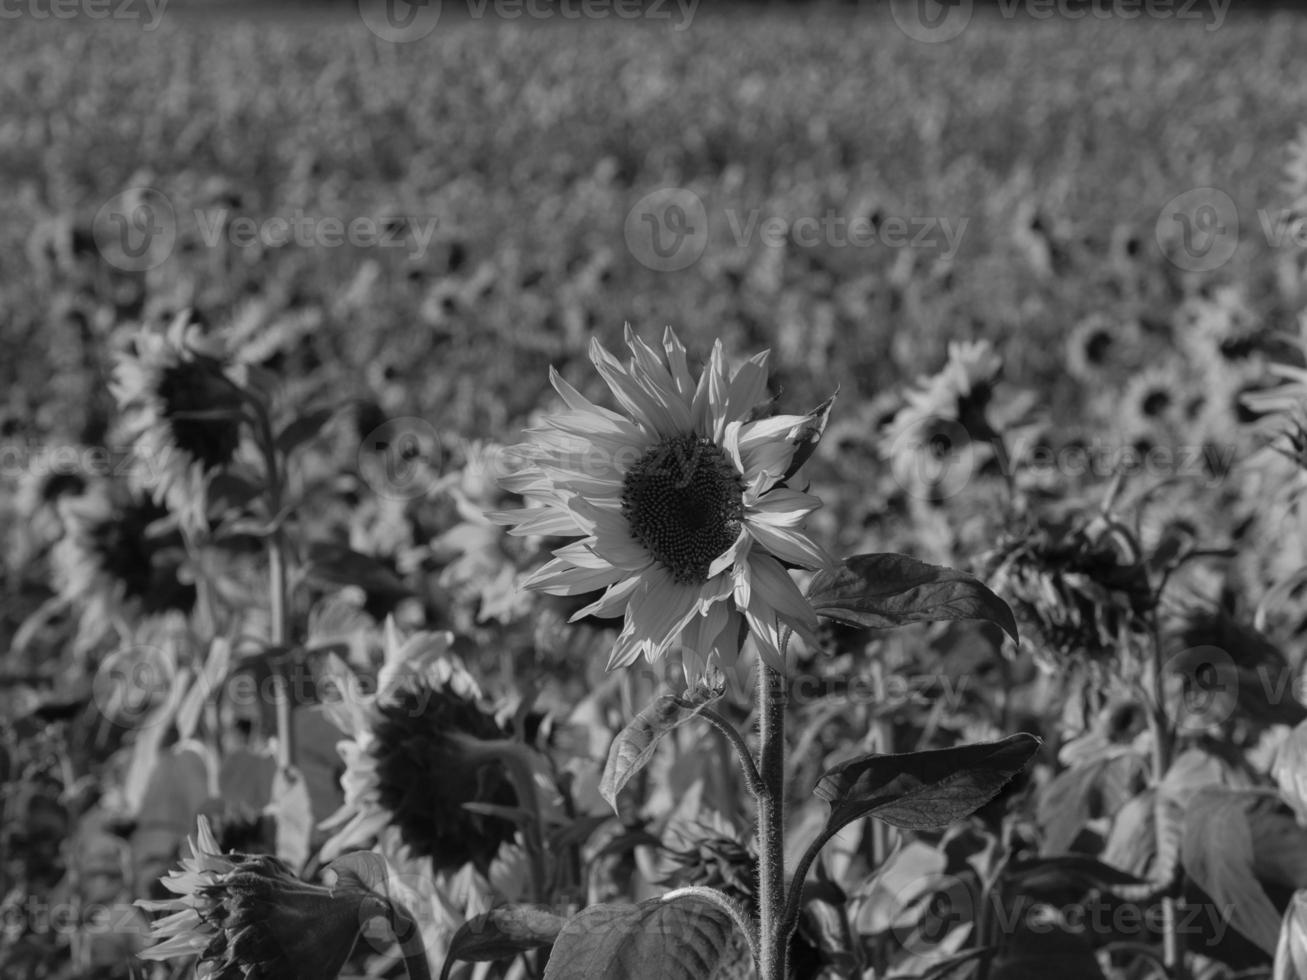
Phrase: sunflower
(946,414)
(415,760)
(1078,592)
(679,507)
(249,917)
(182,401)
(1094,345)
(961,392)
(121,557)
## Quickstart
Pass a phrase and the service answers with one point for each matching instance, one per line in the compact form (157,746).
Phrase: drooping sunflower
(121,557)
(679,507)
(1080,594)
(415,760)
(249,917)
(181,397)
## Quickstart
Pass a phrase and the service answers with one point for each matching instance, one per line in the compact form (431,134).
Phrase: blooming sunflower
(932,440)
(414,763)
(679,507)
(960,392)
(182,402)
(249,917)
(1094,345)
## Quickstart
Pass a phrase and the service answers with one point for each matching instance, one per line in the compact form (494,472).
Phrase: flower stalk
(773,694)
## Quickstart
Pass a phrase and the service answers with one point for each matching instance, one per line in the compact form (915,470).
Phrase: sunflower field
(634,491)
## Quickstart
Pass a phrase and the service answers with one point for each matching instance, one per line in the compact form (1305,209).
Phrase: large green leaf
(681,937)
(502,933)
(1217,851)
(923,790)
(881,591)
(635,744)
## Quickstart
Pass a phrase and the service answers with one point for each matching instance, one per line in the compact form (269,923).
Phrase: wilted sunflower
(710,854)
(249,917)
(679,507)
(121,555)
(1078,593)
(418,755)
(182,403)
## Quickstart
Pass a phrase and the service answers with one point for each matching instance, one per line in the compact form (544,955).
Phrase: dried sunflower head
(1080,593)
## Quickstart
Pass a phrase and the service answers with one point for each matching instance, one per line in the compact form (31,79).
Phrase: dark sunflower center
(1156,402)
(684,502)
(191,396)
(145,564)
(424,778)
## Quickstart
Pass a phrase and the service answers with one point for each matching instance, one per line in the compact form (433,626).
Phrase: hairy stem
(1163,737)
(774,947)
(732,734)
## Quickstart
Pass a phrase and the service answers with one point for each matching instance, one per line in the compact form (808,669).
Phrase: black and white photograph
(653,490)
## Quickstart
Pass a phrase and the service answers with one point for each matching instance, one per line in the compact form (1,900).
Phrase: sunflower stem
(773,693)
(732,734)
(277,585)
(1163,736)
(413,947)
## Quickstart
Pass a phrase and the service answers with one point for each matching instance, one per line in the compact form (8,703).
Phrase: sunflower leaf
(922,790)
(807,434)
(502,933)
(304,429)
(677,937)
(635,744)
(881,591)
